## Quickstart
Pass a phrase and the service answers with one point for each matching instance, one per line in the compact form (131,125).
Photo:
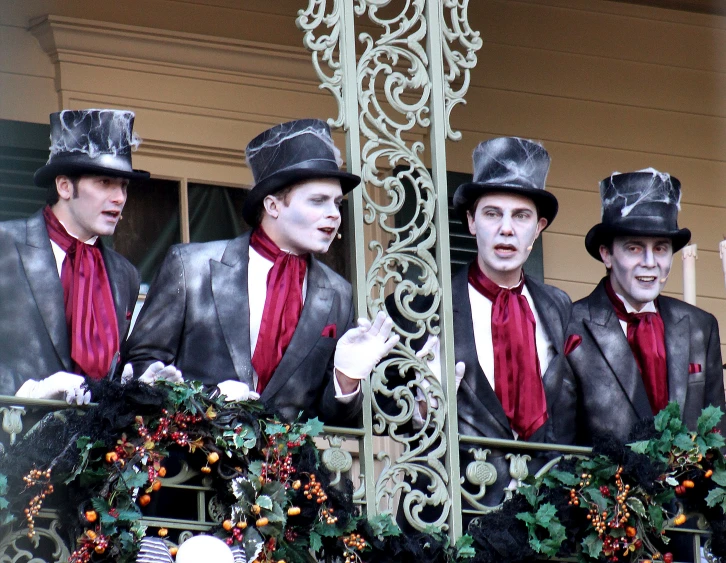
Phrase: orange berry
(631,531)
(173,551)
(242,525)
(163,532)
(688,484)
(156,485)
(206,469)
(227,525)
(162,472)
(111,457)
(262,522)
(100,549)
(91,515)
(708,473)
(293,511)
(144,500)
(256,509)
(213,458)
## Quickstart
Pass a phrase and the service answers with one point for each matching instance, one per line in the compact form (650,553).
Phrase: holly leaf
(313,427)
(133,479)
(264,502)
(530,493)
(655,515)
(592,545)
(718,477)
(130,514)
(636,506)
(640,447)
(596,496)
(564,477)
(253,543)
(316,542)
(715,496)
(464,547)
(683,441)
(709,419)
(384,526)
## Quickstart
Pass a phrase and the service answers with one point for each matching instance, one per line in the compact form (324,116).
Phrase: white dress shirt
(60,254)
(647,308)
(481,309)
(257,271)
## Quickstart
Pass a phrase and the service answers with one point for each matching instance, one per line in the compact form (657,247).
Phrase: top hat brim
(288,177)
(602,234)
(466,194)
(46,175)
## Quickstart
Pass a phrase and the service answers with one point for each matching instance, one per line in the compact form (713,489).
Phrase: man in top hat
(65,298)
(509,329)
(633,350)
(259,315)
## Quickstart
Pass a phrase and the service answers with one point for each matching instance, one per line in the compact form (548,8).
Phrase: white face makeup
(307,219)
(505,227)
(94,209)
(639,267)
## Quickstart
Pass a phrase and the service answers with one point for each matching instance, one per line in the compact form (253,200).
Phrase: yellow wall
(604,85)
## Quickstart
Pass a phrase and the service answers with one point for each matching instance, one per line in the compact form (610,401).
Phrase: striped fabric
(153,550)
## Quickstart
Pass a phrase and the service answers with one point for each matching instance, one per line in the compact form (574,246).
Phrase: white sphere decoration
(204,548)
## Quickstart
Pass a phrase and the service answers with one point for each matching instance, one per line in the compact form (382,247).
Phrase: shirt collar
(647,308)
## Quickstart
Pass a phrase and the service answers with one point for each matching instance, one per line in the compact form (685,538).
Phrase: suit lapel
(119,288)
(465,351)
(677,342)
(605,329)
(319,301)
(552,326)
(42,275)
(230,292)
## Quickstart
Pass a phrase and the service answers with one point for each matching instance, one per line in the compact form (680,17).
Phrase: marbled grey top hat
(289,153)
(643,203)
(92,141)
(508,165)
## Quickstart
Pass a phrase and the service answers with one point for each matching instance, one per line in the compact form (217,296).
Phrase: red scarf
(517,374)
(283,305)
(646,336)
(90,311)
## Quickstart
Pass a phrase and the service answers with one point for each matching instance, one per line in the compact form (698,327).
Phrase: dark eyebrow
(522,210)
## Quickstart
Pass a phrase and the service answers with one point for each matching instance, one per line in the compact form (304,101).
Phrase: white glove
(433,347)
(153,373)
(60,385)
(360,349)
(237,391)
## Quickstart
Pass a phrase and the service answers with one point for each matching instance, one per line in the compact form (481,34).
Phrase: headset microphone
(531,246)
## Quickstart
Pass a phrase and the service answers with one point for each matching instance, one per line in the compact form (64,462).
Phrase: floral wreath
(279,504)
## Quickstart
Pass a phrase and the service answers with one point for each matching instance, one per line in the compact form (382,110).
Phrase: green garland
(279,505)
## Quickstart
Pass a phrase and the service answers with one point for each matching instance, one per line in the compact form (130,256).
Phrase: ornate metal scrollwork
(336,459)
(15,547)
(479,473)
(12,422)
(394,97)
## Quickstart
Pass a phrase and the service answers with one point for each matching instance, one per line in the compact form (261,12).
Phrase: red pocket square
(572,342)
(330,331)
(129,314)
(694,368)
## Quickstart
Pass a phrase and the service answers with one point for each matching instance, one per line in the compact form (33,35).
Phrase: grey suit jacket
(197,317)
(34,340)
(611,393)
(481,413)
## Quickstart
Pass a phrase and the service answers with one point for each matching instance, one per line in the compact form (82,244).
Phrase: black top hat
(91,141)
(508,165)
(289,153)
(643,203)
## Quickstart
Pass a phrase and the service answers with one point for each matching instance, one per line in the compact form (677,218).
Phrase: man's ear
(272,206)
(64,186)
(470,219)
(541,224)
(607,258)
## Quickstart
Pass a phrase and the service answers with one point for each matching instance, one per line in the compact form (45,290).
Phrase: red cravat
(283,306)
(517,375)
(90,311)
(646,336)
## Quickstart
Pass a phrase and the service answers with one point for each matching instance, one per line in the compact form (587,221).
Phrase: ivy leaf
(592,545)
(709,419)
